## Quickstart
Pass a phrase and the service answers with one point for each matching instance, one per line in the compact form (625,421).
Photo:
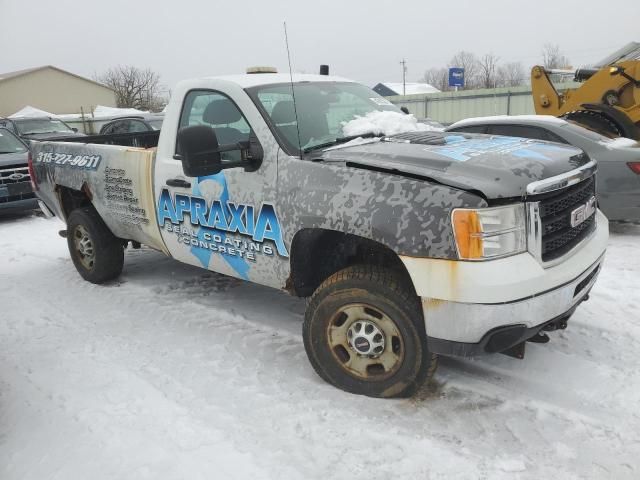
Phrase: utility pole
(404,76)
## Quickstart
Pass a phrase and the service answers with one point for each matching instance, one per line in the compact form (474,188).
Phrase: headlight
(486,233)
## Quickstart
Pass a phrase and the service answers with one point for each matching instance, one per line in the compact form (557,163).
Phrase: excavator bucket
(608,101)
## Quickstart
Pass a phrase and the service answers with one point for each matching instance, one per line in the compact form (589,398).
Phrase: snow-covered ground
(176,373)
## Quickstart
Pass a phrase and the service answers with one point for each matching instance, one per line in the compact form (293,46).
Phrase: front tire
(97,254)
(364,333)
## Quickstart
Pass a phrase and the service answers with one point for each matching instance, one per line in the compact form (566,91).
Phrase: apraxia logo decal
(218,218)
(460,148)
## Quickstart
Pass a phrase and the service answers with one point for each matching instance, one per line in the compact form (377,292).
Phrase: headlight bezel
(501,230)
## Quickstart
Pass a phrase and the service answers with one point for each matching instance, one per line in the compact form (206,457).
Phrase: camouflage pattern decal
(399,192)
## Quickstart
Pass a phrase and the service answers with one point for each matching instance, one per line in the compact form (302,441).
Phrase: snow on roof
(255,79)
(102,111)
(411,88)
(510,119)
(31,112)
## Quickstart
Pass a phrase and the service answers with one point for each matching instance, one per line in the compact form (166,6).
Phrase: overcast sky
(363,40)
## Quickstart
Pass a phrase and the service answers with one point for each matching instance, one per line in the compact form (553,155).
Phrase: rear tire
(364,333)
(97,254)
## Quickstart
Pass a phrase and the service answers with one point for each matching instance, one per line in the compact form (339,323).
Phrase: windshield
(42,125)
(10,144)
(322,109)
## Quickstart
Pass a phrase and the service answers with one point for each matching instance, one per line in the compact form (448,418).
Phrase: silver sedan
(618,159)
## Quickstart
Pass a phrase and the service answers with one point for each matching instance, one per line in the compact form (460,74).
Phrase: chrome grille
(558,236)
(14,174)
(551,234)
(15,183)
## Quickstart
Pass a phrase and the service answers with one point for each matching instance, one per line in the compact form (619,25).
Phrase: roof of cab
(256,79)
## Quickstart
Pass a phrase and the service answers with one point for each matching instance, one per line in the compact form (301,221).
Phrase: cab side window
(218,112)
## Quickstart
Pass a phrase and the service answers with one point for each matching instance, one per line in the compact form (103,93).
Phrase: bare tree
(483,72)
(511,74)
(552,57)
(437,77)
(469,62)
(487,71)
(134,87)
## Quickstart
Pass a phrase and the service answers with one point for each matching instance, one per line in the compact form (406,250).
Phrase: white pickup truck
(408,244)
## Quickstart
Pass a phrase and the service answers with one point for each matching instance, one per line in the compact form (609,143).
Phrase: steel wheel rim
(342,334)
(84,247)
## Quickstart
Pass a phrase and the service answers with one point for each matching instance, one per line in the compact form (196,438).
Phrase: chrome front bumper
(465,328)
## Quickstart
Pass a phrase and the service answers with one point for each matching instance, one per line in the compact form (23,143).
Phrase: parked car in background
(618,177)
(16,193)
(133,124)
(39,128)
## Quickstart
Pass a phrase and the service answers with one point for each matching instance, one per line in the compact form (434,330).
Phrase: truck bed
(114,171)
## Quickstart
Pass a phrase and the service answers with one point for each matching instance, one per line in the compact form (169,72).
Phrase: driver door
(212,221)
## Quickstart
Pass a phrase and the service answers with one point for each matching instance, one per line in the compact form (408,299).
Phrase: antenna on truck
(293,93)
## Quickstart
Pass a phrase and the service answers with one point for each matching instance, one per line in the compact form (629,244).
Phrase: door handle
(178,182)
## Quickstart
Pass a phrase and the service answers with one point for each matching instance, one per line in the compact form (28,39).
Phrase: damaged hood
(497,166)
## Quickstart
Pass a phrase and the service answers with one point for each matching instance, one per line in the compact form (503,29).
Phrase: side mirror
(200,152)
(75,129)
(198,147)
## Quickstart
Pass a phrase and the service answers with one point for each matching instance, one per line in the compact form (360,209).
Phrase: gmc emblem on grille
(583,212)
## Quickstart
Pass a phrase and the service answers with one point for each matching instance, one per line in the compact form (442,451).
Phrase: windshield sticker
(461,148)
(238,232)
(89,162)
(380,101)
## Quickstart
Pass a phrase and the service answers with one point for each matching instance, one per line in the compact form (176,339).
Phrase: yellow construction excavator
(608,101)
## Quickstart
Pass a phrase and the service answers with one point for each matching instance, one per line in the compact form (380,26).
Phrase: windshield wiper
(340,140)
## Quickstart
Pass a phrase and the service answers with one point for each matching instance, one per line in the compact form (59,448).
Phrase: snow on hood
(102,111)
(30,112)
(384,123)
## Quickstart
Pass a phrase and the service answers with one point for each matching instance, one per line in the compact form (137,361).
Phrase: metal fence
(449,107)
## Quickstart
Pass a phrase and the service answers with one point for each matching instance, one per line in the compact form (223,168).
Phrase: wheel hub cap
(365,341)
(84,246)
(366,338)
